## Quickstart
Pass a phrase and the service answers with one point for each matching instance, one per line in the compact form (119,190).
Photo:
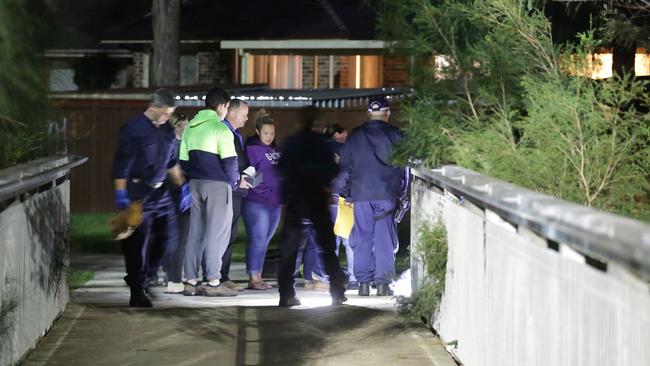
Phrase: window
(277,71)
(365,71)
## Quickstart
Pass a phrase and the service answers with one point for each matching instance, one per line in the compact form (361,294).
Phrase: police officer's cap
(378,104)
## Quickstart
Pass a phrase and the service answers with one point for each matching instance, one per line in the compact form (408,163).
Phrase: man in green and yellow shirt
(209,159)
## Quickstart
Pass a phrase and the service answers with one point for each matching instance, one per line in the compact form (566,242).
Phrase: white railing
(34,246)
(533,280)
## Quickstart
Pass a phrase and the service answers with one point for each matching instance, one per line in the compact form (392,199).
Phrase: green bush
(431,251)
(24,109)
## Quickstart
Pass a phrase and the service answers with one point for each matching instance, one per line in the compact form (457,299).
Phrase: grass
(77,279)
(90,234)
(432,251)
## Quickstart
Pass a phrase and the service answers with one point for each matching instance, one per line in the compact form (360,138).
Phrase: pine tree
(511,103)
(23,83)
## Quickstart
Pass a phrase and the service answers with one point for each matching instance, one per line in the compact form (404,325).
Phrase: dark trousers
(173,264)
(172,261)
(227,255)
(374,241)
(157,235)
(314,206)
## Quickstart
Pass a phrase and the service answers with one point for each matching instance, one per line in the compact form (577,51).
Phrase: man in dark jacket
(368,180)
(235,119)
(144,158)
(307,166)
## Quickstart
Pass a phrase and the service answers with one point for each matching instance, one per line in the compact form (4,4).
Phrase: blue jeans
(349,253)
(309,254)
(260,220)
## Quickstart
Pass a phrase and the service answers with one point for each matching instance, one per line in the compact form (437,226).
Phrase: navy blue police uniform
(144,154)
(373,184)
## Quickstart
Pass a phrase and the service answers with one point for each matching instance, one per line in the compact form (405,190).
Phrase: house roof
(207,20)
(79,23)
(258,96)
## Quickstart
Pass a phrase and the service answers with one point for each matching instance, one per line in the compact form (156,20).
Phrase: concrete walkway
(99,328)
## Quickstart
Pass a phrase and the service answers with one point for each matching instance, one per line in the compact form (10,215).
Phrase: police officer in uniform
(144,158)
(373,184)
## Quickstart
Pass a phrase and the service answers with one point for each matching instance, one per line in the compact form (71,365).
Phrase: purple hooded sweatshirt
(265,159)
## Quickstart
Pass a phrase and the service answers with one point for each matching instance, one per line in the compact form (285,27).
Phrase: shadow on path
(98,328)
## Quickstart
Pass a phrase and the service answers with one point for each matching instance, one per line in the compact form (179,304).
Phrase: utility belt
(154,185)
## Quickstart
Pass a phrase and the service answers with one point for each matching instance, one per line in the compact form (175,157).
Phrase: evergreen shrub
(510,103)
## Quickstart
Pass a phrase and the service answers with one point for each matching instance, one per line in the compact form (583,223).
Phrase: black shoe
(192,290)
(384,290)
(139,299)
(149,292)
(364,289)
(338,300)
(353,285)
(287,303)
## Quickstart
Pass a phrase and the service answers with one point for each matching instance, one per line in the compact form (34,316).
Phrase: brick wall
(344,73)
(212,68)
(323,70)
(308,72)
(138,70)
(396,70)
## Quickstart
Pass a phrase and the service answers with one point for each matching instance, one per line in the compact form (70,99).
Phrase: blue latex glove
(186,198)
(122,200)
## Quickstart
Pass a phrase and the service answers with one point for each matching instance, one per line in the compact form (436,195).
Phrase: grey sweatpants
(210,221)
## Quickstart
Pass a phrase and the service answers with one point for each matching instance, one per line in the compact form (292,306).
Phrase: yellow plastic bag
(344,219)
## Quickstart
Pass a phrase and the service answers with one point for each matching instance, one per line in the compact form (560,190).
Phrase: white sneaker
(174,288)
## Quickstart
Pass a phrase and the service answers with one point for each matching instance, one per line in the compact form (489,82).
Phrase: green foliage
(624,26)
(23,83)
(77,279)
(513,105)
(431,250)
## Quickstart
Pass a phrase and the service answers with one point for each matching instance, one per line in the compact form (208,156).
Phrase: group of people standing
(195,179)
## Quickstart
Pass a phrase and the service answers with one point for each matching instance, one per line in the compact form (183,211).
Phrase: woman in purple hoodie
(263,204)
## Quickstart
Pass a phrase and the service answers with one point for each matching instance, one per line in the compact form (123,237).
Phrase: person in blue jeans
(307,168)
(310,257)
(263,204)
(336,137)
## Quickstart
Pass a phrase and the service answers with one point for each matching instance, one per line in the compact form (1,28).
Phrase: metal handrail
(34,176)
(604,236)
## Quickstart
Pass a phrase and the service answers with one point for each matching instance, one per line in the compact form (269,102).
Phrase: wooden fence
(93,126)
